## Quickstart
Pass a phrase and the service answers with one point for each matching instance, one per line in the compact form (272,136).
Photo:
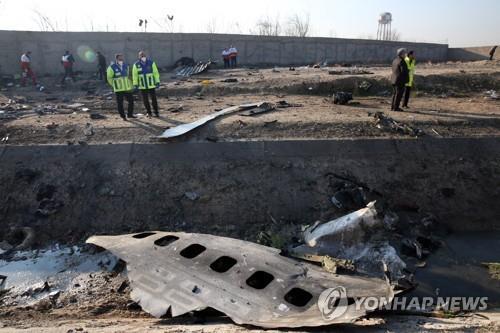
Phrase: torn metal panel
(185,128)
(250,283)
(200,67)
(355,237)
(345,230)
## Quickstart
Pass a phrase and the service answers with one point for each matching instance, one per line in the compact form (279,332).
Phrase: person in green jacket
(118,77)
(146,78)
(411,63)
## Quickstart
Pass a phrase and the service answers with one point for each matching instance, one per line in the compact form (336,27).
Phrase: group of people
(144,76)
(402,79)
(230,57)
(67,61)
(124,79)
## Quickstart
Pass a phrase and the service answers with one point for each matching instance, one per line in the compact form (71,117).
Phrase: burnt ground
(451,100)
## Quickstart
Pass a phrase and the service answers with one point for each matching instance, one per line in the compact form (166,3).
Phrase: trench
(450,84)
(235,189)
(235,186)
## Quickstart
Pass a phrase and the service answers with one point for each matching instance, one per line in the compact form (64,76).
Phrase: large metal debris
(345,231)
(355,237)
(189,70)
(178,273)
(185,128)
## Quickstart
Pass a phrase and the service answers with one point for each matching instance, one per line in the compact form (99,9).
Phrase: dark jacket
(101,61)
(400,75)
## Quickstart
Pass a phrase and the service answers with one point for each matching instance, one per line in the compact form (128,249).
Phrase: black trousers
(407,96)
(120,96)
(101,72)
(68,72)
(145,99)
(397,96)
(233,62)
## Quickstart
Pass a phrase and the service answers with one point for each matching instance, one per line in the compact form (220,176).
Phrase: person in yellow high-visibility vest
(411,64)
(146,78)
(118,77)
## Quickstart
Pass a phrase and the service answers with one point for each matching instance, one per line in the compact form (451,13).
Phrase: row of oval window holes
(259,280)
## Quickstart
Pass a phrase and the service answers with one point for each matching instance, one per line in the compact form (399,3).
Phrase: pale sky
(457,22)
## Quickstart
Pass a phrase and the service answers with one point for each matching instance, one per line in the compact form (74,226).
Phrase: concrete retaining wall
(471,53)
(239,185)
(48,47)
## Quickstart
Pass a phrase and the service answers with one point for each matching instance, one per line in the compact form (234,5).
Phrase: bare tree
(169,23)
(44,22)
(298,26)
(166,23)
(268,27)
(211,26)
(395,36)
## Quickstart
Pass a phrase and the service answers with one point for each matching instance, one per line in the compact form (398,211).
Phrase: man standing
(399,79)
(233,56)
(118,76)
(26,69)
(101,66)
(67,61)
(411,64)
(225,57)
(146,78)
(492,52)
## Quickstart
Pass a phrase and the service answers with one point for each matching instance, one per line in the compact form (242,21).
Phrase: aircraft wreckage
(176,273)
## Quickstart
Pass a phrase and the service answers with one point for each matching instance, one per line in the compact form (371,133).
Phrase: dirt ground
(467,109)
(478,323)
(450,100)
(104,306)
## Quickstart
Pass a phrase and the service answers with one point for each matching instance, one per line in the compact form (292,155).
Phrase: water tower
(384,26)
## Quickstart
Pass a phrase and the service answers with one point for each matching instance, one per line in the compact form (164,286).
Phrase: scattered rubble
(88,130)
(350,71)
(176,109)
(284,104)
(386,123)
(193,196)
(492,94)
(48,207)
(365,85)
(75,106)
(262,108)
(47,278)
(97,116)
(494,269)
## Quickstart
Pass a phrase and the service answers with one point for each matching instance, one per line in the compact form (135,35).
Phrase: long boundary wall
(471,53)
(166,48)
